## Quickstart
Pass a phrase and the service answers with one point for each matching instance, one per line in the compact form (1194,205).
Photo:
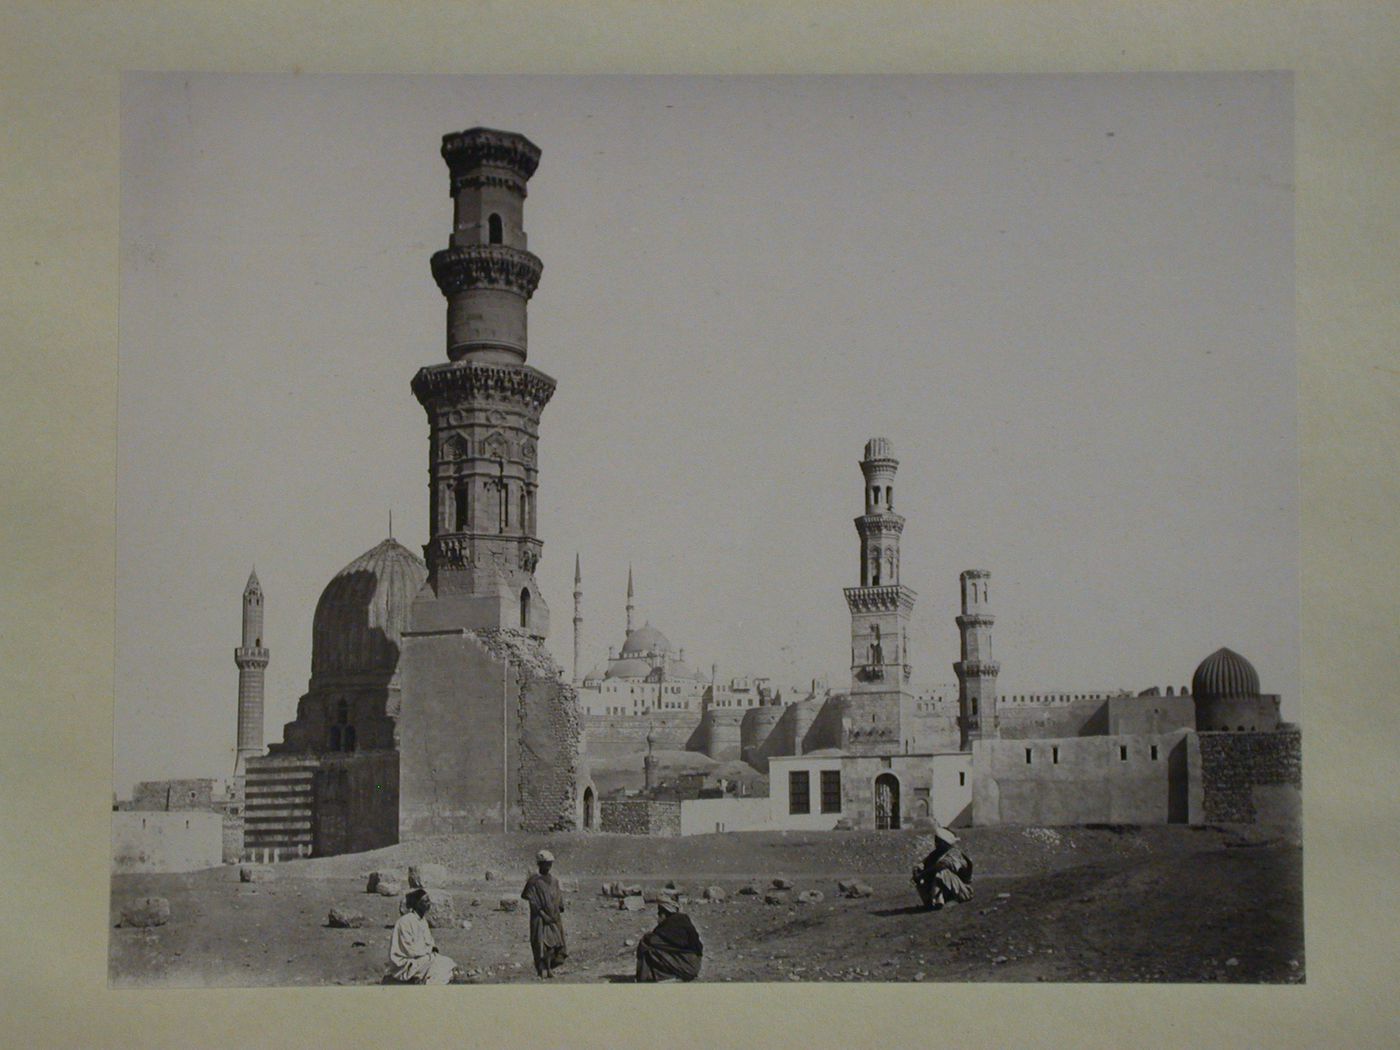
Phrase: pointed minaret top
(253,587)
(578,574)
(629,580)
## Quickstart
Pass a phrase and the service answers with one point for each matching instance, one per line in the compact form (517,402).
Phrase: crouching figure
(672,949)
(413,955)
(946,873)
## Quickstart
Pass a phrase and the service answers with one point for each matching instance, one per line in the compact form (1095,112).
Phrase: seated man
(946,873)
(673,949)
(413,956)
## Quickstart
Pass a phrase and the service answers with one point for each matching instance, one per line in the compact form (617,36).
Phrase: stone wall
(233,836)
(636,816)
(155,795)
(153,841)
(1082,780)
(612,736)
(1249,778)
(356,802)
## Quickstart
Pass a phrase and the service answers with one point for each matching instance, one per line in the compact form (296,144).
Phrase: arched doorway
(887,802)
(525,607)
(588,809)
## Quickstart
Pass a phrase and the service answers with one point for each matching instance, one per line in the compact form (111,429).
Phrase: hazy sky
(1067,300)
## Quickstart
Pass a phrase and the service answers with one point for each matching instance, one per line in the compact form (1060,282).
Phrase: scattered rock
(919,976)
(1000,960)
(608,889)
(343,918)
(1003,896)
(632,902)
(671,885)
(465,924)
(256,873)
(146,911)
(387,874)
(775,898)
(811,897)
(715,893)
(427,876)
(856,888)
(509,904)
(629,942)
(751,890)
(782,883)
(388,887)
(358,944)
(476,902)
(1232,961)
(443,912)
(490,875)
(632,889)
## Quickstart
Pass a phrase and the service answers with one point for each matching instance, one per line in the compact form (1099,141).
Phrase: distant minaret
(251,658)
(629,599)
(578,612)
(976,671)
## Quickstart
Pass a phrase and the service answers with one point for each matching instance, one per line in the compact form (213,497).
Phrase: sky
(1067,300)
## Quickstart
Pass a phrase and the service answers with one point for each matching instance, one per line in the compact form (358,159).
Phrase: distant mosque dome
(1225,675)
(363,613)
(644,641)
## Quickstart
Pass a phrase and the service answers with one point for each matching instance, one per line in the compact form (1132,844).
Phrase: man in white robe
(413,955)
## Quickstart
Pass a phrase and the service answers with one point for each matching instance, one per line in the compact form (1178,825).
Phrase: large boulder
(715,893)
(811,897)
(396,875)
(753,889)
(344,918)
(388,887)
(854,887)
(256,873)
(427,876)
(443,911)
(146,911)
(782,882)
(775,898)
(632,903)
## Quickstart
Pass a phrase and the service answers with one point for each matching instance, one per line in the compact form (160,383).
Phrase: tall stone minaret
(630,607)
(976,671)
(578,612)
(484,402)
(251,657)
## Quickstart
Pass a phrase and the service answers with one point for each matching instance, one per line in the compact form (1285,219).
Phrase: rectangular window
(1123,753)
(962,779)
(1154,752)
(831,791)
(799,792)
(1028,756)
(1055,755)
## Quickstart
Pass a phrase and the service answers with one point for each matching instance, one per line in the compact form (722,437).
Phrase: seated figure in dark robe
(946,873)
(672,949)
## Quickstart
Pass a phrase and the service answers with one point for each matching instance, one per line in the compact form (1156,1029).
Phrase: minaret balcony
(253,656)
(500,266)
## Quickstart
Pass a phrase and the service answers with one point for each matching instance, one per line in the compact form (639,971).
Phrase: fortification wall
(1249,778)
(156,795)
(178,840)
(611,736)
(721,734)
(1087,717)
(1082,780)
(757,729)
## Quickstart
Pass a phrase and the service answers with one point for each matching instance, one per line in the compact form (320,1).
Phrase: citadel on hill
(434,707)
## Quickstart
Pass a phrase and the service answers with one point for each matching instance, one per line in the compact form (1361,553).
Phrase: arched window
(349,738)
(493,225)
(524,503)
(525,607)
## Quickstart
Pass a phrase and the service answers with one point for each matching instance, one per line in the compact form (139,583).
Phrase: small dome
(363,612)
(644,640)
(1225,675)
(630,668)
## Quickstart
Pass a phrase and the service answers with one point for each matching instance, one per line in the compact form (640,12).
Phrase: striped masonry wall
(278,807)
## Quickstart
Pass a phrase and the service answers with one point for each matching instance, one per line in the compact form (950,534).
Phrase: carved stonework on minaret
(484,403)
(252,659)
(977,671)
(578,614)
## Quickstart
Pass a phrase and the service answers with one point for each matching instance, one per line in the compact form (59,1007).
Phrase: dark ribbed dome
(644,641)
(363,612)
(1225,675)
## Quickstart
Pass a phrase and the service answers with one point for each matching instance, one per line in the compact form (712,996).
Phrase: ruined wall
(180,840)
(485,726)
(1249,778)
(155,795)
(1081,780)
(635,816)
(232,825)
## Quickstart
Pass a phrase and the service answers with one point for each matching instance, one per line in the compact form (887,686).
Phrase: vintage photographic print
(765,529)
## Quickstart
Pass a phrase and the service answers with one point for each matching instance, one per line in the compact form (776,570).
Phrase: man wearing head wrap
(673,949)
(413,955)
(546,899)
(946,873)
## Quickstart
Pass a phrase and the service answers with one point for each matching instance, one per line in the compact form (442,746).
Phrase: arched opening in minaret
(493,227)
(525,607)
(588,809)
(462,498)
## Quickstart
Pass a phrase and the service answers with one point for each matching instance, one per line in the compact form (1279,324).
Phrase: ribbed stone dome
(363,612)
(879,448)
(1225,675)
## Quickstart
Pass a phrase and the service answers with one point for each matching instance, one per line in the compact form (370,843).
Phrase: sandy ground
(1066,904)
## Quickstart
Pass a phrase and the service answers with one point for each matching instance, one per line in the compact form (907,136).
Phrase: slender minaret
(578,612)
(251,658)
(976,671)
(629,599)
